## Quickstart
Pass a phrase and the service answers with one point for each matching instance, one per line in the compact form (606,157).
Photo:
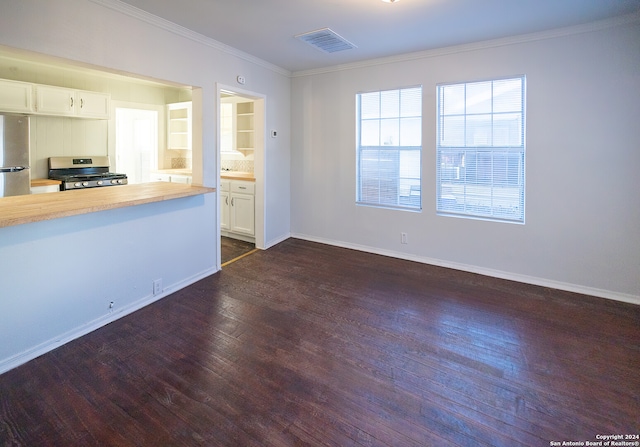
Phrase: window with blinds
(389,146)
(481,149)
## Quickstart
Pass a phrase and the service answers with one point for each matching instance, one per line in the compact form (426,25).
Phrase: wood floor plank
(307,344)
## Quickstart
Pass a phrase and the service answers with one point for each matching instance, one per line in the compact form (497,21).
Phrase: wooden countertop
(177,171)
(18,210)
(237,175)
(229,175)
(44,182)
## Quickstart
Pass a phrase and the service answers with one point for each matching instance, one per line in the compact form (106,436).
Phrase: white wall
(45,299)
(583,159)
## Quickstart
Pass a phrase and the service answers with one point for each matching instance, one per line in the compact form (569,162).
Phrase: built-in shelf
(245,127)
(179,126)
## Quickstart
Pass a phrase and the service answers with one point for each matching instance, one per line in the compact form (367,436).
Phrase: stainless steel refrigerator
(15,176)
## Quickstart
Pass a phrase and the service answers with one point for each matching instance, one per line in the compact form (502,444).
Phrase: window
(481,149)
(389,144)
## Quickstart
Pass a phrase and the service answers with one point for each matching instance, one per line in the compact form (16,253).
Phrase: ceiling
(266,28)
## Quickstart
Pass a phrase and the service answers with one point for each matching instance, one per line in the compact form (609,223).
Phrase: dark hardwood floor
(306,344)
(231,249)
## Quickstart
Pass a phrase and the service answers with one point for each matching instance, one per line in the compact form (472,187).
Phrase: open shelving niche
(245,128)
(179,125)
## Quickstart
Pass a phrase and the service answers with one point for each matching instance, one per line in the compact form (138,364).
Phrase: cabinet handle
(72,101)
(81,102)
(226,199)
(232,201)
(242,187)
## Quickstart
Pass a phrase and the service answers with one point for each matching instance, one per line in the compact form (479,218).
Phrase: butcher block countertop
(237,175)
(44,182)
(17,210)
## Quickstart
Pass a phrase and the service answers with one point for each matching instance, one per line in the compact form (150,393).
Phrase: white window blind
(389,145)
(481,149)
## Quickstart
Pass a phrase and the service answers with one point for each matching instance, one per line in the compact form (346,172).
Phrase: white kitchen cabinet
(179,126)
(60,101)
(44,189)
(16,96)
(237,207)
(173,178)
(55,100)
(156,177)
(225,204)
(93,104)
(242,219)
(179,178)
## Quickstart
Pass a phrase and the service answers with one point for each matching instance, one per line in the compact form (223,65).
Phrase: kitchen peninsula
(18,210)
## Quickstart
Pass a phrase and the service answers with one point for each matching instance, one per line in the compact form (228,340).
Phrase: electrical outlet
(403,238)
(157,286)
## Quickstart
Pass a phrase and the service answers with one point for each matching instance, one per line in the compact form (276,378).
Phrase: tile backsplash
(180,163)
(237,165)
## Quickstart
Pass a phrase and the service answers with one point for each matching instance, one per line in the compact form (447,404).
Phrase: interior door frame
(259,162)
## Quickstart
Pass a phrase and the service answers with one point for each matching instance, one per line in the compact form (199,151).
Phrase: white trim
(53,343)
(277,240)
(511,40)
(568,287)
(159,22)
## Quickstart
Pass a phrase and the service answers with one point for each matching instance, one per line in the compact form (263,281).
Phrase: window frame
(506,154)
(410,183)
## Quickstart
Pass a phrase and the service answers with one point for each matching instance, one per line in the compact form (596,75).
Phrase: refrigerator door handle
(13,168)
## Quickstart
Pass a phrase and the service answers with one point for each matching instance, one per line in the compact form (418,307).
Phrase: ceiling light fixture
(391,1)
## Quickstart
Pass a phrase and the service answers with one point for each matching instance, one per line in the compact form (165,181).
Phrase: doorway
(136,143)
(241,140)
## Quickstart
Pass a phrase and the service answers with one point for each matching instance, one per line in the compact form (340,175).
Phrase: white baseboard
(276,241)
(608,294)
(51,344)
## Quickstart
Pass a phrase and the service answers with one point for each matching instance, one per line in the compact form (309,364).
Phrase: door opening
(136,143)
(241,160)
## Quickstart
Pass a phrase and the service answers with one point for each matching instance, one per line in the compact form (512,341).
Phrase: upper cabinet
(69,102)
(24,97)
(16,96)
(244,127)
(179,126)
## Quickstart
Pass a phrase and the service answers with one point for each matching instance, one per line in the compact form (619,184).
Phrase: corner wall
(582,163)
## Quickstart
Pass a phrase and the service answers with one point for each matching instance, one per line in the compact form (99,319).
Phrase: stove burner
(92,173)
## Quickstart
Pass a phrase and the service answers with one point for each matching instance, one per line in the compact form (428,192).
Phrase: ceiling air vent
(326,40)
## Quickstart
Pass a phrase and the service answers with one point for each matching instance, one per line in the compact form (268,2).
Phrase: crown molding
(174,28)
(511,40)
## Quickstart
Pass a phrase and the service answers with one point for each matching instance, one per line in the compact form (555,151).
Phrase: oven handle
(13,168)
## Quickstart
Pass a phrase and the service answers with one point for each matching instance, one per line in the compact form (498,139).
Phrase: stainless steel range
(84,172)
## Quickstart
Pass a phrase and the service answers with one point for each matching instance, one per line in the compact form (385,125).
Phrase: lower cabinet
(173,178)
(237,208)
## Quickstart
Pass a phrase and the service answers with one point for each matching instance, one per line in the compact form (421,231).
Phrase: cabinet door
(55,100)
(225,206)
(185,179)
(93,104)
(16,96)
(159,177)
(242,214)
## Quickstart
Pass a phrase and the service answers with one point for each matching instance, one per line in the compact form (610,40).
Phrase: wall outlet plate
(157,286)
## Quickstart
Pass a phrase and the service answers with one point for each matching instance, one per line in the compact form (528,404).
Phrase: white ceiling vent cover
(326,40)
